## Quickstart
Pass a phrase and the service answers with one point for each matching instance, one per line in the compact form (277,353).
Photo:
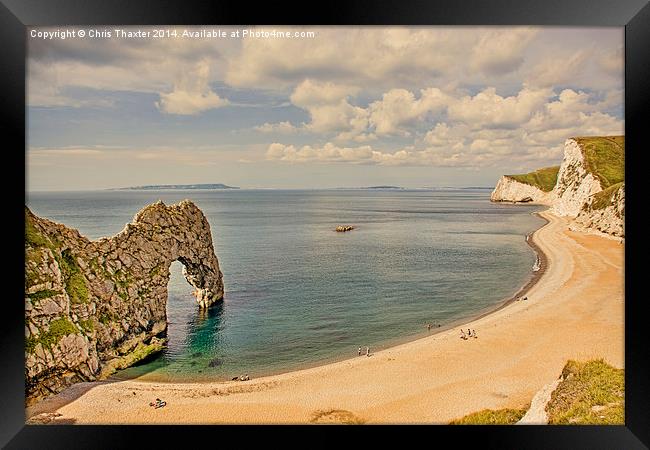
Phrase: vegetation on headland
(40,295)
(504,416)
(590,393)
(75,282)
(543,179)
(58,328)
(604,158)
(141,352)
(603,199)
(336,416)
(33,237)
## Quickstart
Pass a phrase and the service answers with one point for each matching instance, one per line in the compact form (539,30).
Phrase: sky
(328,107)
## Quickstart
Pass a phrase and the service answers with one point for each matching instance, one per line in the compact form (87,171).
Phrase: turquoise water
(299,294)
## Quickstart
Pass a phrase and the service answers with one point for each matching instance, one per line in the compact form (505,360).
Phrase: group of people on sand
(429,326)
(522,298)
(367,351)
(470,333)
(241,378)
(158,403)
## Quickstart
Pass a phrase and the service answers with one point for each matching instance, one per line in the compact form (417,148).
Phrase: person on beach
(429,326)
(462,334)
(359,352)
(469,332)
(474,334)
(367,351)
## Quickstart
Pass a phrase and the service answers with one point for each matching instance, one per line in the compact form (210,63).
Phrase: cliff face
(605,212)
(590,187)
(510,190)
(92,307)
(575,185)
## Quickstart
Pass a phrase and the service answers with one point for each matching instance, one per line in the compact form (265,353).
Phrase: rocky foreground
(92,307)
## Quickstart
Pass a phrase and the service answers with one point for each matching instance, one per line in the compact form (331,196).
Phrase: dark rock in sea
(196,354)
(344,228)
(215,362)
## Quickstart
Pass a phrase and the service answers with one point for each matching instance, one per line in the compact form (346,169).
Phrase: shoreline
(534,278)
(575,309)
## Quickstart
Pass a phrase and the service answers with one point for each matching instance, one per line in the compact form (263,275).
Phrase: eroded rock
(93,307)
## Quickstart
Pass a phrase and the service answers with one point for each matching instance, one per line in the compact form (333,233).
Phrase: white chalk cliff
(575,185)
(510,190)
(610,219)
(578,193)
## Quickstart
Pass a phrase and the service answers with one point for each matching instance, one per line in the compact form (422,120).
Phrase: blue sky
(418,106)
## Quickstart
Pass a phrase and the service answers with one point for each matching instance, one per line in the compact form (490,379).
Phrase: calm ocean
(299,294)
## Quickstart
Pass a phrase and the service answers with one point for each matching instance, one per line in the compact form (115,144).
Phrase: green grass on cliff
(75,283)
(41,295)
(591,393)
(604,157)
(58,328)
(603,199)
(505,416)
(543,179)
(33,237)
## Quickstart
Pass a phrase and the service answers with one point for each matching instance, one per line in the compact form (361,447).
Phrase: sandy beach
(574,311)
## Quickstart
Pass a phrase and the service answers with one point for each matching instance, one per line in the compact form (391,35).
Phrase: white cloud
(328,153)
(399,107)
(501,51)
(65,151)
(191,94)
(559,69)
(279,128)
(485,130)
(329,109)
(347,55)
(488,109)
(310,93)
(613,62)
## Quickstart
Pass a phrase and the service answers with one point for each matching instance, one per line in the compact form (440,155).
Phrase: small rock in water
(196,354)
(344,228)
(215,362)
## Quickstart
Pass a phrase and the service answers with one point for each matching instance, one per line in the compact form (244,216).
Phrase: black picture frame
(17,15)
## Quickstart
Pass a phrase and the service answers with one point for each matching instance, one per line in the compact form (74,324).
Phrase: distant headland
(158,187)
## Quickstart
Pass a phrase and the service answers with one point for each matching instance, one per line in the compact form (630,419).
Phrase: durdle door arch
(92,307)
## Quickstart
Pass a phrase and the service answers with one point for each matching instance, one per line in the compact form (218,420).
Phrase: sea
(297,293)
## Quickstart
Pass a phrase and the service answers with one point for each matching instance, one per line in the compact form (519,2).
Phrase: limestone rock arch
(92,307)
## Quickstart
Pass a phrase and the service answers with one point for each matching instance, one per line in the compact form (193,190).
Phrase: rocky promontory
(535,187)
(92,307)
(589,186)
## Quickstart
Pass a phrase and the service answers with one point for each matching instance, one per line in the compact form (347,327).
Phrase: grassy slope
(604,157)
(603,198)
(492,417)
(543,179)
(591,392)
